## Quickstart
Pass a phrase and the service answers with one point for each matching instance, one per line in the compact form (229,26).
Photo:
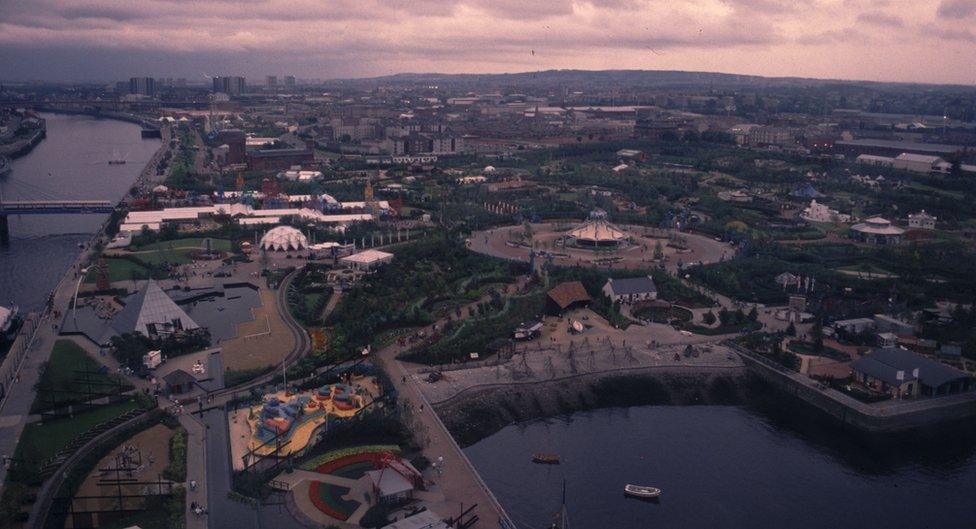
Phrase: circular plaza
(596,242)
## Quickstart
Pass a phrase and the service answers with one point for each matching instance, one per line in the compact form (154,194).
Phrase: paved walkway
(20,394)
(459,481)
(223,512)
(196,469)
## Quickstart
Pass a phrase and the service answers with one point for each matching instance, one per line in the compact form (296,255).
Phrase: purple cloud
(957,8)
(881,19)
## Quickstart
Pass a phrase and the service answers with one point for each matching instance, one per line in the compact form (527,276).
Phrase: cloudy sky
(897,40)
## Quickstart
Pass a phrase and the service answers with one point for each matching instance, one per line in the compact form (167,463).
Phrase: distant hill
(620,78)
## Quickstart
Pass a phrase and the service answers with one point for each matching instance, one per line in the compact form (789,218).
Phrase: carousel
(597,232)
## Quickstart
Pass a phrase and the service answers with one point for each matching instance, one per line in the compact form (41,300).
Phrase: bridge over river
(48,207)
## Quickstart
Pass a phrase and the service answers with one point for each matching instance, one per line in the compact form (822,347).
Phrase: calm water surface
(72,163)
(726,467)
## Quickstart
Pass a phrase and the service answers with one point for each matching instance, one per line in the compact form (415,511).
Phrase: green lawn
(40,442)
(63,372)
(191,242)
(312,298)
(119,270)
(864,267)
(167,255)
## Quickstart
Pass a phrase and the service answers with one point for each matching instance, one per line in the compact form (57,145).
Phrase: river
(727,466)
(71,163)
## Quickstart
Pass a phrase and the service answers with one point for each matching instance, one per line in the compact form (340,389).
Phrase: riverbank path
(15,407)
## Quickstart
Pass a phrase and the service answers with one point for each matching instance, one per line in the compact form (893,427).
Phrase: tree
(753,314)
(956,168)
(708,318)
(725,317)
(791,330)
(658,251)
(817,333)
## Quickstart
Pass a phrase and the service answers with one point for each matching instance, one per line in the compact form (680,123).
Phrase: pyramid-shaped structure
(151,312)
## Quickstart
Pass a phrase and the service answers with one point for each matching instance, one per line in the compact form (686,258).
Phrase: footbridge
(48,207)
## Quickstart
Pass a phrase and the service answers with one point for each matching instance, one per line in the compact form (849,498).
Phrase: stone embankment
(481,411)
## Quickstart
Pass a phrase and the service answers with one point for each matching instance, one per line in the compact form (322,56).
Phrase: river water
(71,163)
(727,466)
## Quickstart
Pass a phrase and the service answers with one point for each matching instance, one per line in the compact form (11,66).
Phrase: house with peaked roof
(152,312)
(179,381)
(630,289)
(921,221)
(904,374)
(567,295)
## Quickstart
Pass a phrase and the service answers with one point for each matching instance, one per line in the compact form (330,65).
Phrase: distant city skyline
(102,40)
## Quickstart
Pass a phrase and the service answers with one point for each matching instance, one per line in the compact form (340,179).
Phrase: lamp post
(74,306)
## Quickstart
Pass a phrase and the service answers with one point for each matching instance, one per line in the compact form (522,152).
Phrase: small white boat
(7,318)
(642,492)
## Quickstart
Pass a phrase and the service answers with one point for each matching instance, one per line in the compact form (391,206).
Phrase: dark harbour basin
(729,466)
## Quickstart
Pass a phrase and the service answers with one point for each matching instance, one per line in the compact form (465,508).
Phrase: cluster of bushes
(234,377)
(176,470)
(391,297)
(129,348)
(729,322)
(299,306)
(483,333)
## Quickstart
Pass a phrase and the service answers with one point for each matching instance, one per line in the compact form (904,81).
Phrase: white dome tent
(283,239)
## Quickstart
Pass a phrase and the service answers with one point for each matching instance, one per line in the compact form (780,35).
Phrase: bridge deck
(38,207)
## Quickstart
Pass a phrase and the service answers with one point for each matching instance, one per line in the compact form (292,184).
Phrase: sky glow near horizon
(929,41)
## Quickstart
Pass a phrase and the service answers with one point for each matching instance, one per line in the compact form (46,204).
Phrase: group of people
(198,509)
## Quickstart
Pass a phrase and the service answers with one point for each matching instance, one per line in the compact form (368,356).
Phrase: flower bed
(318,461)
(336,464)
(349,462)
(328,499)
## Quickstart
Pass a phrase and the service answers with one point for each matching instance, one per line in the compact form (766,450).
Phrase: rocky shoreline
(476,414)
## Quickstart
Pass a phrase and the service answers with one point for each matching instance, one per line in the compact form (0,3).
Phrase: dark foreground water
(72,163)
(725,466)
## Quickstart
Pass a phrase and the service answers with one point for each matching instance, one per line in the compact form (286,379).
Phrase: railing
(51,206)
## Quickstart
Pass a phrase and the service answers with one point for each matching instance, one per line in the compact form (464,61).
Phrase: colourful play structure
(293,418)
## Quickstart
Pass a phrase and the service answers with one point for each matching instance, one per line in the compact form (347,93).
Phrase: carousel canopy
(598,231)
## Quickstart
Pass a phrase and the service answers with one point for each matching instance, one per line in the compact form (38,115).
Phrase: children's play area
(287,421)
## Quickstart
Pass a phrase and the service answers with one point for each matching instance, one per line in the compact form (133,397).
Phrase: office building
(145,86)
(230,85)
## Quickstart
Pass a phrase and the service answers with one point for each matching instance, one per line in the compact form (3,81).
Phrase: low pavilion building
(877,230)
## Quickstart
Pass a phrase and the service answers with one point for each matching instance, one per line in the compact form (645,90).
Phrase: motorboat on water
(638,491)
(116,159)
(8,316)
(545,459)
